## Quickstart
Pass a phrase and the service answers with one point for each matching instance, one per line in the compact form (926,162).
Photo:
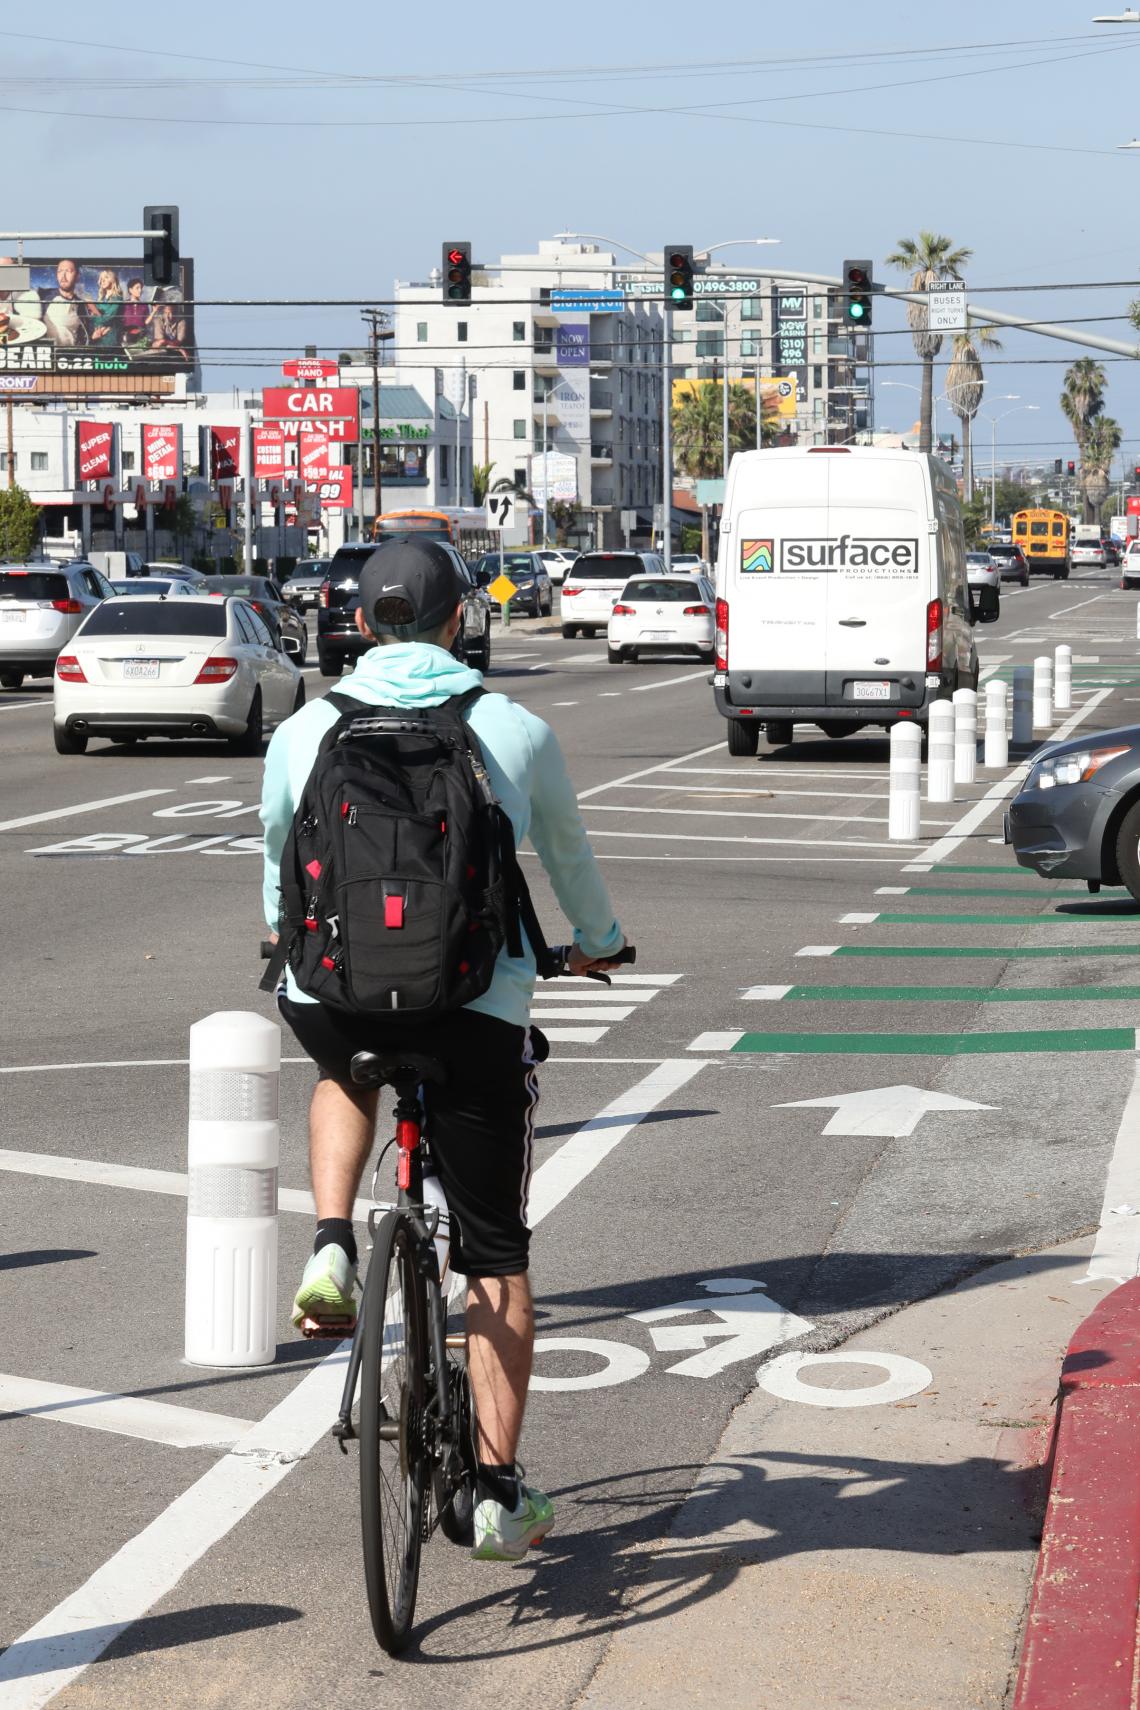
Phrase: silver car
(41,607)
(303,589)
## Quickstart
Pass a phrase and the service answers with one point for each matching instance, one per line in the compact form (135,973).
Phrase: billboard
(94,317)
(778,393)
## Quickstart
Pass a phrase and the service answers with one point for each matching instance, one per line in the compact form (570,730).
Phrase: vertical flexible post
(1062,678)
(997,738)
(1042,692)
(940,752)
(1022,705)
(231,1208)
(965,736)
(905,810)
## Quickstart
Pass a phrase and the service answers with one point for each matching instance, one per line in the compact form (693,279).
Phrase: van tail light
(70,608)
(217,670)
(68,669)
(625,611)
(722,635)
(323,597)
(934,636)
(695,611)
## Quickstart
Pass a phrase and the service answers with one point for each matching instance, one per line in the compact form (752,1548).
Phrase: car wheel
(302,657)
(331,664)
(569,631)
(1025,580)
(1057,575)
(67,742)
(709,657)
(1128,850)
(548,608)
(11,679)
(614,655)
(251,740)
(743,737)
(779,732)
(589,630)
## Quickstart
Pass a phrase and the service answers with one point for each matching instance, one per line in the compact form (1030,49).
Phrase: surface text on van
(849,552)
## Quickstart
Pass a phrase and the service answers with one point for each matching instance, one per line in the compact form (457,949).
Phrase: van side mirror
(984,605)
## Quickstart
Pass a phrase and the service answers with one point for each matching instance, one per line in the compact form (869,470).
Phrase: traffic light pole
(667,432)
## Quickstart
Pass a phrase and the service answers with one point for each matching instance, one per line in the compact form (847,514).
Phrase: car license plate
(13,617)
(658,635)
(872,691)
(145,668)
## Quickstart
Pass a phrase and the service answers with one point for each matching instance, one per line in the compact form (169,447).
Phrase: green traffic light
(678,293)
(857,311)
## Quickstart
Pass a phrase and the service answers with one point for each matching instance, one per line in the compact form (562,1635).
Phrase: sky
(324,155)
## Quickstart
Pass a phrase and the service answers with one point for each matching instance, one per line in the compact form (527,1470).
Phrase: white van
(842,596)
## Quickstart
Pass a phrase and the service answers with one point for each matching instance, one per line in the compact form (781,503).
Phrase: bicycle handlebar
(559,955)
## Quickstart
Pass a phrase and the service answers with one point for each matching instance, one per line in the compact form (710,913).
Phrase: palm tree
(698,427)
(480,482)
(927,258)
(964,385)
(1083,397)
(1101,443)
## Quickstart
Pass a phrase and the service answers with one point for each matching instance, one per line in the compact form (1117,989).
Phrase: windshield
(156,617)
(649,589)
(607,566)
(32,585)
(137,587)
(981,558)
(244,587)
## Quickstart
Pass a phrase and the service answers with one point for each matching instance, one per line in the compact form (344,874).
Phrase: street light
(993,421)
(907,386)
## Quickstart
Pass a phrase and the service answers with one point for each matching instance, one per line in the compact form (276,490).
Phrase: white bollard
(905,811)
(997,740)
(1022,705)
(1042,692)
(965,736)
(1063,678)
(940,752)
(231,1221)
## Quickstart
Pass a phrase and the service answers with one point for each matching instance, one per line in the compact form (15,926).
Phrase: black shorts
(480,1121)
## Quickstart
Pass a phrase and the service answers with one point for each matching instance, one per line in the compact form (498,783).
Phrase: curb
(1081,1643)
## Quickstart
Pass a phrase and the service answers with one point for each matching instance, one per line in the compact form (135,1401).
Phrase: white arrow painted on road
(887,1111)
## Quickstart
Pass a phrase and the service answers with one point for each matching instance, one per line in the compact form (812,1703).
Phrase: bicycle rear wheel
(393,1456)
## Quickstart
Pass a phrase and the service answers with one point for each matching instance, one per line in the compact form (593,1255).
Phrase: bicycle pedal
(331,1328)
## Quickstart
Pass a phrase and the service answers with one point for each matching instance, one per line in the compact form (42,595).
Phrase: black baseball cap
(419,572)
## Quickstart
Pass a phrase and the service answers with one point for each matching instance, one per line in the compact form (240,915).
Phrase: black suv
(338,638)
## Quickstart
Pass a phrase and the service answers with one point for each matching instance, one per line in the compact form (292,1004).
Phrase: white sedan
(191,666)
(662,614)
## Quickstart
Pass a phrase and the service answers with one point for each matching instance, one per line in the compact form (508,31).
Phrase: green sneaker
(503,1534)
(325,1300)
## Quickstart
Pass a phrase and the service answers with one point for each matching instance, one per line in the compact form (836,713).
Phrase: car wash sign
(331,410)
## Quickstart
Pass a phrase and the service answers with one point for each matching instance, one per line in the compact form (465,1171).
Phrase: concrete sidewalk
(876,1555)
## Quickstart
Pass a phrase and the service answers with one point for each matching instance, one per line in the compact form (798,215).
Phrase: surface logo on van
(756,557)
(892,557)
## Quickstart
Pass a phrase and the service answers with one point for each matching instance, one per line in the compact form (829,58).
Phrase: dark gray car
(1077,815)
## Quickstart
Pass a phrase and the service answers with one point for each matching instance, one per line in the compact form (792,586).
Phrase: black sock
(338,1229)
(499,1483)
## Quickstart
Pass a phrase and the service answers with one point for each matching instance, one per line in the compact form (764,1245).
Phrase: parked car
(982,571)
(303,587)
(1130,566)
(592,588)
(116,564)
(195,666)
(1011,561)
(41,607)
(556,562)
(535,597)
(662,614)
(157,587)
(1077,816)
(270,604)
(690,561)
(339,640)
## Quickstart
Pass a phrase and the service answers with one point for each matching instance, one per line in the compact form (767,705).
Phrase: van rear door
(879,586)
(777,611)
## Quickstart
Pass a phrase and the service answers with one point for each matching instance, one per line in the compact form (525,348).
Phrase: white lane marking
(22,706)
(892,891)
(1053,616)
(722,1041)
(646,771)
(819,950)
(570,1012)
(618,979)
(778,770)
(564,703)
(751,813)
(1116,1254)
(583,659)
(609,694)
(593,993)
(575,1035)
(80,807)
(857,919)
(669,682)
(981,810)
(794,842)
(42,1661)
(221,778)
(719,792)
(757,860)
(765,994)
(125,1415)
(886,1112)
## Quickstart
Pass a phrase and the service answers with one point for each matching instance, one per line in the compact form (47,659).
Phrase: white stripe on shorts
(528,1156)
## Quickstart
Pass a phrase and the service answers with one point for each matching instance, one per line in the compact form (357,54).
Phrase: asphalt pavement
(742,1206)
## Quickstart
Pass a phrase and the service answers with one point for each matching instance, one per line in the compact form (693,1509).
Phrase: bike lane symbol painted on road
(750,1324)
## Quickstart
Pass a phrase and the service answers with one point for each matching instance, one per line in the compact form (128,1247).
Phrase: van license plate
(872,691)
(147,668)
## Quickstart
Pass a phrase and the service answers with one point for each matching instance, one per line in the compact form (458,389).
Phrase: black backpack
(399,878)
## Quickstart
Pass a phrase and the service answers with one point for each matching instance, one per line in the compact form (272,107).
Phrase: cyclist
(480,1123)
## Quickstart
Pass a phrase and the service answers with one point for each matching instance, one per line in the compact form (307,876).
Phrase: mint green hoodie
(529,775)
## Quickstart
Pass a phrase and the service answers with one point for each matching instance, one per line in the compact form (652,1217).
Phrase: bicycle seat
(395,1068)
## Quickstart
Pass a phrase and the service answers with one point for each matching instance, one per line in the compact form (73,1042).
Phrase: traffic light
(1071,467)
(160,251)
(857,293)
(1136,471)
(678,275)
(457,272)
(1056,466)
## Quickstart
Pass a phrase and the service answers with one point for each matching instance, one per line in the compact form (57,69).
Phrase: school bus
(464,526)
(1043,536)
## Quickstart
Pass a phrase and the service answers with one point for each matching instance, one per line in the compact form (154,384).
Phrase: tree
(1083,397)
(480,482)
(965,383)
(1009,497)
(19,524)
(698,427)
(927,258)
(1101,443)
(563,513)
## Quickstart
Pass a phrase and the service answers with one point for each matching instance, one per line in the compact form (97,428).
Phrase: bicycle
(417,1412)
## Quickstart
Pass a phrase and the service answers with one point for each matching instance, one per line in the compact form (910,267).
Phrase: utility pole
(667,431)
(11,440)
(374,318)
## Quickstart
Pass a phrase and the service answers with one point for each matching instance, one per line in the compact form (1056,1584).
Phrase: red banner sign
(1133,505)
(331,410)
(268,453)
(313,457)
(94,446)
(310,368)
(225,453)
(162,452)
(335,490)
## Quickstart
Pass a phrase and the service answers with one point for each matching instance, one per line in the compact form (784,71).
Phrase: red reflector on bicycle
(313,868)
(394,911)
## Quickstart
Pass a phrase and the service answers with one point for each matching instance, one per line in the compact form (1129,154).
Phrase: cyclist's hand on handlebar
(579,963)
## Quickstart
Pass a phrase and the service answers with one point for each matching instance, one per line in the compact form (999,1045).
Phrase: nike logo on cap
(391,587)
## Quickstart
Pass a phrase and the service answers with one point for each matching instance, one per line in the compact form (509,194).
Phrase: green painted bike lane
(1082,1039)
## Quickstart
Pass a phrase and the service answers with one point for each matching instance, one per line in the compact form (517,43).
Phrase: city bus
(1043,536)
(465,526)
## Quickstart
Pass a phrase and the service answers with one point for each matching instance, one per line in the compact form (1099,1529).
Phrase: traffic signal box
(457,273)
(678,275)
(857,293)
(160,249)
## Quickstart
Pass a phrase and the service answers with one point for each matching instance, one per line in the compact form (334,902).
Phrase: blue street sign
(587,301)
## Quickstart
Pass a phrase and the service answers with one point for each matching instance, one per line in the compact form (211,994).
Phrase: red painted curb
(1081,1649)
